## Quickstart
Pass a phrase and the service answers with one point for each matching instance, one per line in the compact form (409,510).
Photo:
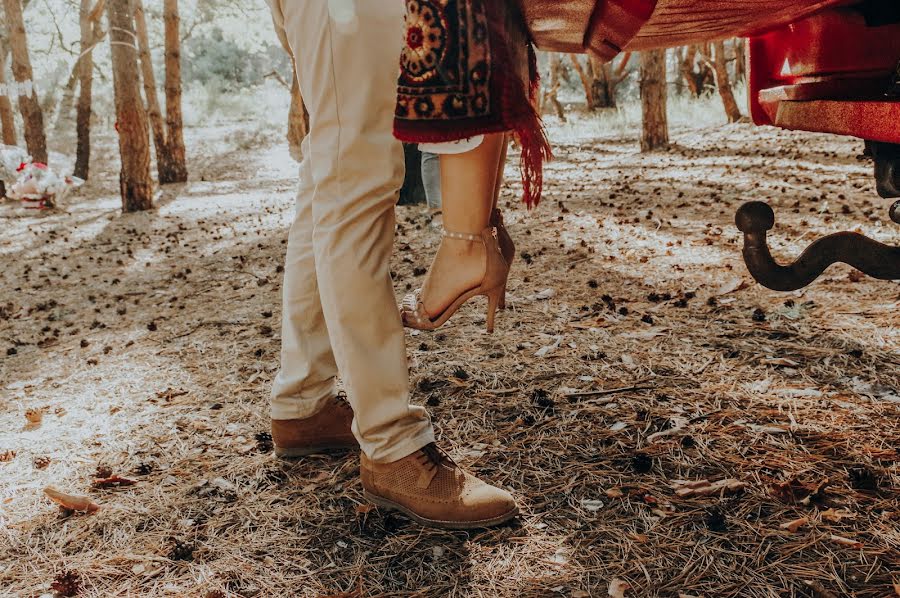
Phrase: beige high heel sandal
(412,310)
(507,247)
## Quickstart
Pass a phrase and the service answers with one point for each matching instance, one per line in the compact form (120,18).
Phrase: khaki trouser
(340,312)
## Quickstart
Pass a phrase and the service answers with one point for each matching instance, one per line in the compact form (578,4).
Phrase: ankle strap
(461,236)
(469,237)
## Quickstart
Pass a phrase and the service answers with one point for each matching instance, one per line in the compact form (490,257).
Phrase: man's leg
(347,60)
(307,376)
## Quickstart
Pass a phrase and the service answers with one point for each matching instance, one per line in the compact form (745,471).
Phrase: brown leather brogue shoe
(431,489)
(326,431)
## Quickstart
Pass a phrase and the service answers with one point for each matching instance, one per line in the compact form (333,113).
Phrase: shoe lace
(340,400)
(433,456)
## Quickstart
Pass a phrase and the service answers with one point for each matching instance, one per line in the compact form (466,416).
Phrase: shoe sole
(296,453)
(436,523)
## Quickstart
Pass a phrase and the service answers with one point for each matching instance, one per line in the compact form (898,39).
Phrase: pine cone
(67,583)
(144,469)
(6,456)
(41,462)
(264,442)
(182,551)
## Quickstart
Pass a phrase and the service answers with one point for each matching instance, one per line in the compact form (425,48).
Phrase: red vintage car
(830,66)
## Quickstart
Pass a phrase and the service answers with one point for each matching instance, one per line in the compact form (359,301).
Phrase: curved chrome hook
(755,219)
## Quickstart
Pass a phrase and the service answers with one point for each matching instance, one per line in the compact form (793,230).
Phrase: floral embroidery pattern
(445,66)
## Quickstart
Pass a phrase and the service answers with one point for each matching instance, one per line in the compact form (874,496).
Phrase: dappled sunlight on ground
(637,353)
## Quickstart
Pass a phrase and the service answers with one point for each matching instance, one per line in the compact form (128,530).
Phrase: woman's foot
(465,267)
(458,267)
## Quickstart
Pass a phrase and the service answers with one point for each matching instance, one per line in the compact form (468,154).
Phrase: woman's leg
(501,166)
(468,186)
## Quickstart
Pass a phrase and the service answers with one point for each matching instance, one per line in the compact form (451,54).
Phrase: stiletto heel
(496,272)
(494,299)
(507,247)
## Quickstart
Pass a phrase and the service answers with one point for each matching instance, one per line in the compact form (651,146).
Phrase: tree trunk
(131,119)
(696,72)
(298,120)
(551,94)
(586,82)
(90,35)
(66,101)
(740,59)
(7,119)
(29,105)
(176,164)
(723,82)
(653,101)
(154,112)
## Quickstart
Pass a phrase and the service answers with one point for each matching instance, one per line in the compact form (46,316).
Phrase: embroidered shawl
(468,69)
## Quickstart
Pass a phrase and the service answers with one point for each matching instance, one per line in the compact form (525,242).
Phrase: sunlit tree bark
(551,92)
(167,136)
(723,82)
(131,118)
(654,97)
(7,119)
(29,105)
(91,34)
(176,165)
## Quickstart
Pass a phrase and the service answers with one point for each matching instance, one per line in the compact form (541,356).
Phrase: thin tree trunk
(7,119)
(551,94)
(90,35)
(740,59)
(176,164)
(586,83)
(723,82)
(131,118)
(67,99)
(653,101)
(29,105)
(154,112)
(298,120)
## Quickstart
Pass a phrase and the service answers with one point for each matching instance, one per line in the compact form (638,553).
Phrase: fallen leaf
(617,588)
(364,509)
(547,349)
(113,482)
(796,524)
(731,286)
(70,501)
(846,542)
(543,295)
(797,491)
(692,489)
(614,493)
(836,516)
(171,393)
(34,416)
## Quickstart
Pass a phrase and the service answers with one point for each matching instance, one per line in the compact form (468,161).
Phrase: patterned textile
(468,69)
(445,66)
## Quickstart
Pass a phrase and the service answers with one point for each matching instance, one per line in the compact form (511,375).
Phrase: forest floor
(637,353)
